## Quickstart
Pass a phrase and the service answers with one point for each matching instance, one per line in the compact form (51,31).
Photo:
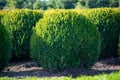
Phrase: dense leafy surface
(19,23)
(5,47)
(119,46)
(118,21)
(64,39)
(108,22)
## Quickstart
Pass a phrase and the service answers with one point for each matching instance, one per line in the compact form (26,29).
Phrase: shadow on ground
(30,69)
(74,73)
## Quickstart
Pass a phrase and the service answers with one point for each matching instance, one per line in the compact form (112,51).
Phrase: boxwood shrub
(119,46)
(5,47)
(19,23)
(108,22)
(63,39)
(118,20)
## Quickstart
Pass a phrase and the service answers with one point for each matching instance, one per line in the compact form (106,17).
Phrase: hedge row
(53,49)
(20,23)
(63,39)
(107,20)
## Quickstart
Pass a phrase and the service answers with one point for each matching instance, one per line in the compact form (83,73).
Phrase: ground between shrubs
(29,69)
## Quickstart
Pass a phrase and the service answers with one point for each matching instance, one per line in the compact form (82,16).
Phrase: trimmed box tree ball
(108,22)
(5,47)
(63,39)
(20,23)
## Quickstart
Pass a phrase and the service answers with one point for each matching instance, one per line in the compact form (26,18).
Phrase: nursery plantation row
(59,39)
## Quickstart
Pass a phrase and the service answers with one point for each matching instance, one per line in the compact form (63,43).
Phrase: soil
(29,68)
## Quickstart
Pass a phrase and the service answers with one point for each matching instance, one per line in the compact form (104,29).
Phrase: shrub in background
(64,39)
(5,47)
(19,23)
(107,20)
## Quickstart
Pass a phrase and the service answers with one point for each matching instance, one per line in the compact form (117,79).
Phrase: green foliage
(2,4)
(117,19)
(57,4)
(10,4)
(108,22)
(114,3)
(40,5)
(97,3)
(66,4)
(19,23)
(64,39)
(2,13)
(5,47)
(119,46)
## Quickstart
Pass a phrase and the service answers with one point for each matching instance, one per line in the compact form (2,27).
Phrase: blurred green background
(57,4)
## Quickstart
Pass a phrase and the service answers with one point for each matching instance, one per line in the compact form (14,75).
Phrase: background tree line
(57,4)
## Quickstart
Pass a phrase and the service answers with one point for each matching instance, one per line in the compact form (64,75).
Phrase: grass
(112,76)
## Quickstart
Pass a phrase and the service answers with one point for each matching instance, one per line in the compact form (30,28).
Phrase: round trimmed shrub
(5,47)
(107,20)
(20,23)
(63,40)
